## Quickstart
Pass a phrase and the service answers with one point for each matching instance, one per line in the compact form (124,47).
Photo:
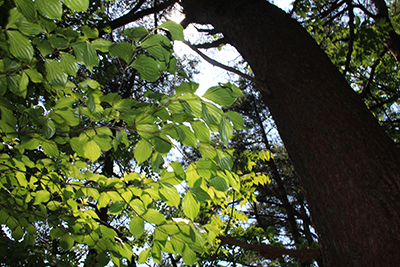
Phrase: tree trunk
(348,166)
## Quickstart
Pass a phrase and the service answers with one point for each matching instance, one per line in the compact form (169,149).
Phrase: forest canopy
(108,155)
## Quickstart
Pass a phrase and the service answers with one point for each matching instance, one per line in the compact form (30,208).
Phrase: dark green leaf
(219,183)
(135,34)
(147,67)
(66,241)
(20,47)
(49,129)
(69,64)
(86,54)
(90,33)
(55,74)
(162,144)
(51,9)
(123,51)
(116,207)
(200,194)
(27,8)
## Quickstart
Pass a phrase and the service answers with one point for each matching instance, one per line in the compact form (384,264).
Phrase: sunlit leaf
(153,216)
(143,150)
(92,151)
(144,255)
(41,196)
(190,206)
(136,226)
(225,130)
(175,29)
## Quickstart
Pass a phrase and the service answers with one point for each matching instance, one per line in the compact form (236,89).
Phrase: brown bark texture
(349,168)
(272,252)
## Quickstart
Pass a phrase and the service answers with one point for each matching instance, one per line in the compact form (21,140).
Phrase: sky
(209,75)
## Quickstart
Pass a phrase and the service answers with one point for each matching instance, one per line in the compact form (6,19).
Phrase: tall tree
(349,167)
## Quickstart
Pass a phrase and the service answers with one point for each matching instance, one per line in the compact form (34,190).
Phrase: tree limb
(132,15)
(272,252)
(214,44)
(230,69)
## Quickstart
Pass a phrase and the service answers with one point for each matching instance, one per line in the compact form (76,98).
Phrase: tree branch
(214,44)
(132,15)
(230,69)
(272,252)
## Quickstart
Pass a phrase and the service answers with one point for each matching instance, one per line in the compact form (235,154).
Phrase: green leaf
(77,5)
(103,141)
(188,256)
(199,194)
(23,85)
(206,168)
(171,195)
(122,50)
(236,119)
(175,29)
(211,114)
(189,87)
(31,144)
(143,150)
(207,151)
(57,41)
(116,207)
(186,136)
(90,33)
(49,129)
(17,233)
(224,95)
(144,255)
(51,9)
(92,151)
(219,183)
(147,67)
(55,74)
(225,130)
(41,197)
(20,47)
(69,64)
(153,216)
(201,130)
(86,54)
(136,226)
(34,75)
(135,34)
(147,130)
(50,148)
(101,45)
(27,8)
(66,241)
(162,144)
(190,206)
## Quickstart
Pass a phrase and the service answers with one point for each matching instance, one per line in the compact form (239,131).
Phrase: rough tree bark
(350,168)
